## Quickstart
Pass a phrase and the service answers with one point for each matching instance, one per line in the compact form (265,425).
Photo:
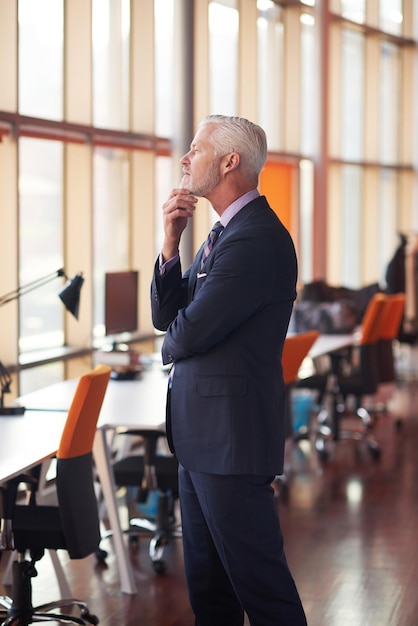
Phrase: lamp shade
(70,295)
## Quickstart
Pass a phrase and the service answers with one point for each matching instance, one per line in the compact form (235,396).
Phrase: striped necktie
(212,237)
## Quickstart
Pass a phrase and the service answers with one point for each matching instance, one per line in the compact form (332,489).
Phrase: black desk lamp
(69,295)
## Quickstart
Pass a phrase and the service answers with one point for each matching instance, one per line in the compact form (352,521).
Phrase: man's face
(200,167)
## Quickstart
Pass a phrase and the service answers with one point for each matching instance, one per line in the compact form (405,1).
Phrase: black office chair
(356,374)
(393,315)
(143,473)
(72,525)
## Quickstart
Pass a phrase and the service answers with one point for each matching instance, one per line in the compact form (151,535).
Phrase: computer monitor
(121,302)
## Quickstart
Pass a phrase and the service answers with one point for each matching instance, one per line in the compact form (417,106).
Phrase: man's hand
(178,208)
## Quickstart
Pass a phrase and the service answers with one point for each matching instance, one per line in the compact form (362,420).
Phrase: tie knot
(217,228)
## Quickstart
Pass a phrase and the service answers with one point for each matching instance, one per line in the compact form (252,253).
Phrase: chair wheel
(375,452)
(101,555)
(91,619)
(321,449)
(323,455)
(160,567)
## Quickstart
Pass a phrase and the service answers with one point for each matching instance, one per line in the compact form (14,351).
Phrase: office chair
(72,525)
(144,473)
(295,349)
(356,374)
(392,319)
(389,333)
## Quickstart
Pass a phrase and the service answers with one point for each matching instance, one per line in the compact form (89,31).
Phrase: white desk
(28,440)
(326,344)
(139,403)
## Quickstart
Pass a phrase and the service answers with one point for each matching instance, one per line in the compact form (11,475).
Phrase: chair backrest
(372,320)
(392,316)
(295,349)
(392,319)
(75,484)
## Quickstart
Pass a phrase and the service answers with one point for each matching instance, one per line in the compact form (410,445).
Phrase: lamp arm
(20,291)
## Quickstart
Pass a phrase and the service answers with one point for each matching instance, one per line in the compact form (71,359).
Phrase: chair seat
(356,385)
(129,471)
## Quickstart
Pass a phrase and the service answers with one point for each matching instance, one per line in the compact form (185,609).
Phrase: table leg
(103,463)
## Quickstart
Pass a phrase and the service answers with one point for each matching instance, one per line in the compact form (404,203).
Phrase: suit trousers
(233,552)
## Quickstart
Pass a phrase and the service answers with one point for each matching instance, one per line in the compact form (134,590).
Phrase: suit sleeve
(243,279)
(168,295)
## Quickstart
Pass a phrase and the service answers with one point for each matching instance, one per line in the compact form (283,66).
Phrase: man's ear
(230,162)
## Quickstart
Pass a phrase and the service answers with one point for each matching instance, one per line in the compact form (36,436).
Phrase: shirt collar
(237,205)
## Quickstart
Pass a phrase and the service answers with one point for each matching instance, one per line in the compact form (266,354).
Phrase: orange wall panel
(276,185)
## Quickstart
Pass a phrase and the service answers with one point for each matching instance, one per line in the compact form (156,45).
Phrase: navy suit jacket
(226,324)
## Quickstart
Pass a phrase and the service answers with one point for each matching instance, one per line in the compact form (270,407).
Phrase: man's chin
(185,182)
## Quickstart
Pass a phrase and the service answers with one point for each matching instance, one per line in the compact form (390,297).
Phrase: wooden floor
(351,535)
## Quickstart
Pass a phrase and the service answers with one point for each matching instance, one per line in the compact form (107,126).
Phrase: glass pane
(40,242)
(354,10)
(353,95)
(164,67)
(41,43)
(389,102)
(110,222)
(111,33)
(351,226)
(163,177)
(270,71)
(388,224)
(306,172)
(223,57)
(391,17)
(35,378)
(309,84)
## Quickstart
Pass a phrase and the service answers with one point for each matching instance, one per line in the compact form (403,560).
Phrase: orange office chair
(72,525)
(295,349)
(357,376)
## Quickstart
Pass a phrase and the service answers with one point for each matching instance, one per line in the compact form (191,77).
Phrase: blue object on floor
(150,506)
(302,407)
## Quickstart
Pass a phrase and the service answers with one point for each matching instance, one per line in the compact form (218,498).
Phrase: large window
(87,138)
(40,242)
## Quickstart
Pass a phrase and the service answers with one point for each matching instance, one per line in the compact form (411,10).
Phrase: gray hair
(237,134)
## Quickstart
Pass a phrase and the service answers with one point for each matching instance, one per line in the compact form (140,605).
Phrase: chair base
(335,433)
(19,611)
(162,531)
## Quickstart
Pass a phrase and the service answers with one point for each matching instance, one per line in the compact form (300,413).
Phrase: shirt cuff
(165,267)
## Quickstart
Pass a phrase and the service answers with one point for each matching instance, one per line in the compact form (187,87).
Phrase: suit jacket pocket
(221,385)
